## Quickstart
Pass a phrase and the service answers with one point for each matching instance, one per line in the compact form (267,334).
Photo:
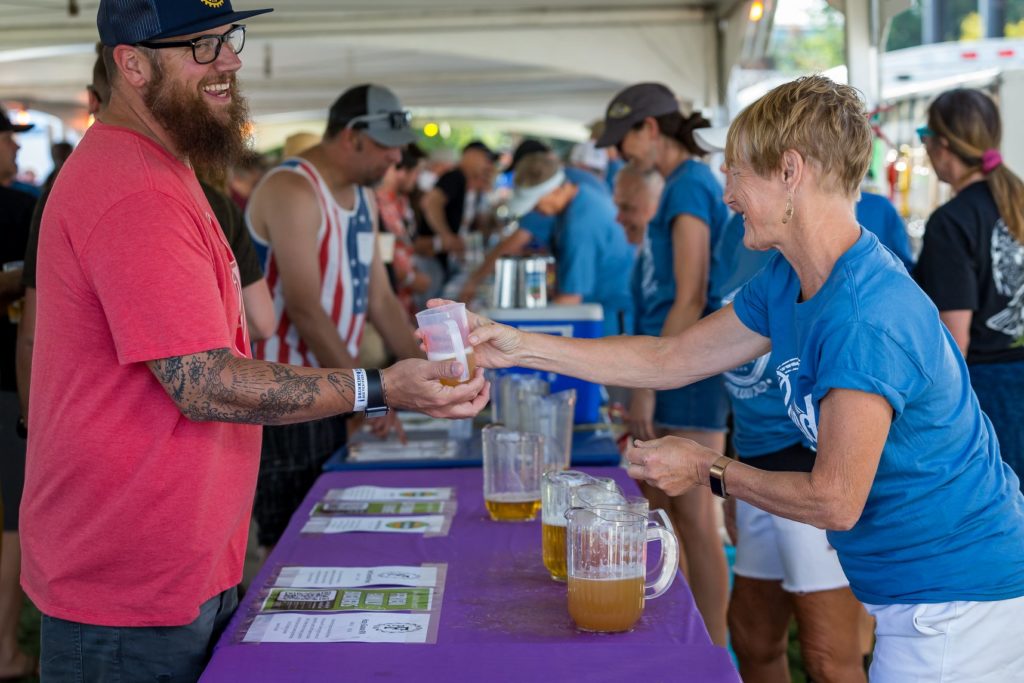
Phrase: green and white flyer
(343,507)
(424,524)
(382,493)
(365,627)
(356,577)
(349,600)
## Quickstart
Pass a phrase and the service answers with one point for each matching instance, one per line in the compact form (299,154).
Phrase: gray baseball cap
(376,110)
(633,105)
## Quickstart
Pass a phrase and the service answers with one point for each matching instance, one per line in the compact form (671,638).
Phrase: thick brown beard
(210,143)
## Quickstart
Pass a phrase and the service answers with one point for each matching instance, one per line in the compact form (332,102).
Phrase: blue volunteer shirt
(593,257)
(690,189)
(541,226)
(944,519)
(759,422)
(877,214)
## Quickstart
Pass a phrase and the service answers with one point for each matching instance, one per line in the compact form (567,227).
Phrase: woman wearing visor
(908,480)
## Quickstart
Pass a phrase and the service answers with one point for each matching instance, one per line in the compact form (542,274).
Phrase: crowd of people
(188,329)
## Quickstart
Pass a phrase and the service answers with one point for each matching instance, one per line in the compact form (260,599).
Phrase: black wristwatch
(21,428)
(376,399)
(717,477)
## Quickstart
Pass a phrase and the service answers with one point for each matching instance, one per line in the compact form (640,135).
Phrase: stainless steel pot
(521,282)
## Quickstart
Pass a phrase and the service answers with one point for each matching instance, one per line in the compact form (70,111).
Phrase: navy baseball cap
(633,105)
(127,22)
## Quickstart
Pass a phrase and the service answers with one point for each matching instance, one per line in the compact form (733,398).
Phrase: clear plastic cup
(446,336)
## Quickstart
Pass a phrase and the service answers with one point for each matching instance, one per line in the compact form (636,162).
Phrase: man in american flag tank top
(314,223)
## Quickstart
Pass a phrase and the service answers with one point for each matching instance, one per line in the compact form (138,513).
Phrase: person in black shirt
(972,263)
(454,207)
(15,215)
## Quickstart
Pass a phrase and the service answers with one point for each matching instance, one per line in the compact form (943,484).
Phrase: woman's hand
(641,414)
(670,463)
(494,345)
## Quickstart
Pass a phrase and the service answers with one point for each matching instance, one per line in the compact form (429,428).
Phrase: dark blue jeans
(1000,391)
(82,653)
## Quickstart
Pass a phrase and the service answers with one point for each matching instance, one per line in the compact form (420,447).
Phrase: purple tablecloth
(502,618)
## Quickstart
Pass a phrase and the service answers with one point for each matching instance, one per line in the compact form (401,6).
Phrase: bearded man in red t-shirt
(145,400)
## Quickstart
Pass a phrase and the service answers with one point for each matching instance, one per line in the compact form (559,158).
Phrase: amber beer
(553,551)
(512,507)
(606,605)
(470,367)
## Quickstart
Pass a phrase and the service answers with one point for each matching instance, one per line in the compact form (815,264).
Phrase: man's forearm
(219,386)
(511,245)
(392,322)
(23,353)
(318,332)
(433,214)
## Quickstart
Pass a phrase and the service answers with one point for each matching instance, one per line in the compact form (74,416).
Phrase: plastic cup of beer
(555,491)
(606,562)
(512,471)
(446,337)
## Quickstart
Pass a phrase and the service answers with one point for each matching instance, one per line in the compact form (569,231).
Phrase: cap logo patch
(213,3)
(619,110)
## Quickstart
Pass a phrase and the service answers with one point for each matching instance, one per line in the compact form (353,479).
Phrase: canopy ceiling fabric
(524,57)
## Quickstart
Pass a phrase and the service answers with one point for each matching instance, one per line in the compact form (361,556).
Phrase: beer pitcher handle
(460,350)
(668,565)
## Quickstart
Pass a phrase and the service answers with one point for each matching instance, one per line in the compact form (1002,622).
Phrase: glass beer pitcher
(607,570)
(555,490)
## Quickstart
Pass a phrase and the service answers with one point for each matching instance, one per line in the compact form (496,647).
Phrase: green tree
(814,48)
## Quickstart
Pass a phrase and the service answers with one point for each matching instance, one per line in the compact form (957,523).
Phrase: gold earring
(789,209)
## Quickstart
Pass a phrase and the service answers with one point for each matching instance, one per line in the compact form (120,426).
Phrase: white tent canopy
(516,58)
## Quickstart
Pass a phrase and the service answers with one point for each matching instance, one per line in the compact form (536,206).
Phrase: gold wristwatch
(717,479)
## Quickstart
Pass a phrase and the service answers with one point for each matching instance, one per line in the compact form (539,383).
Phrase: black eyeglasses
(397,120)
(205,49)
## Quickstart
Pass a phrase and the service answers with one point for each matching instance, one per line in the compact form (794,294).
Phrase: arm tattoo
(343,383)
(218,386)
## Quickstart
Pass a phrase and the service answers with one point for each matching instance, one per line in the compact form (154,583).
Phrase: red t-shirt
(133,515)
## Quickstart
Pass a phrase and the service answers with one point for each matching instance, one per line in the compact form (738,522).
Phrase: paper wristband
(362,391)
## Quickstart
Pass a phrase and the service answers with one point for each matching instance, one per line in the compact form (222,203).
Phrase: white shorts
(949,642)
(773,548)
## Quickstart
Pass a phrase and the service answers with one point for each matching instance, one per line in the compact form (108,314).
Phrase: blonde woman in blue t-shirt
(927,520)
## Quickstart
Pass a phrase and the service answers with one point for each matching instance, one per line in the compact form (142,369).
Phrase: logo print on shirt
(1008,274)
(805,418)
(745,382)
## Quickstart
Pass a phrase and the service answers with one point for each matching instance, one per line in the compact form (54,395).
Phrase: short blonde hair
(822,120)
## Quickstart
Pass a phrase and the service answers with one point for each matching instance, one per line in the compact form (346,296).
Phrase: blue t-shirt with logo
(759,422)
(944,519)
(691,189)
(877,214)
(593,257)
(540,226)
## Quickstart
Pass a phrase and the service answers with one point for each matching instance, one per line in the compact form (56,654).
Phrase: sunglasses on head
(397,120)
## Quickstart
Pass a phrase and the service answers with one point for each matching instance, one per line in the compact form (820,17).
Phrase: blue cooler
(585,321)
